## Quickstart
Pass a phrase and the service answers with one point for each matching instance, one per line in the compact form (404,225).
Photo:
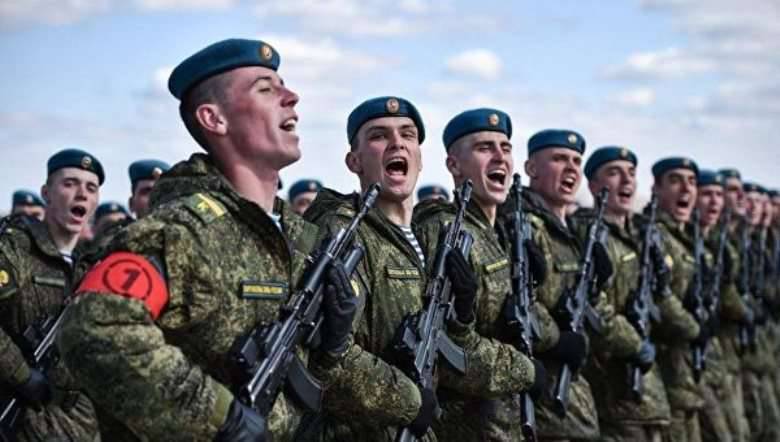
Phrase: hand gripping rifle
(747,331)
(712,300)
(423,334)
(265,359)
(520,314)
(38,344)
(576,303)
(641,309)
(695,299)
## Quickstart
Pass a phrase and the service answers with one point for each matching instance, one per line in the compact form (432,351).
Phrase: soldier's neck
(614,217)
(255,184)
(64,239)
(488,209)
(398,212)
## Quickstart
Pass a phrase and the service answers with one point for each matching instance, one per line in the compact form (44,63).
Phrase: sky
(662,77)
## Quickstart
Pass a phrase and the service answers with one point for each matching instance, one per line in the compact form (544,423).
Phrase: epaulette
(536,221)
(345,211)
(206,208)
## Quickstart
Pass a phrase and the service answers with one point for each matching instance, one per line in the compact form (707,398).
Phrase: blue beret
(303,186)
(747,186)
(75,158)
(709,178)
(556,138)
(773,193)
(218,58)
(662,166)
(146,170)
(432,190)
(476,120)
(730,173)
(383,107)
(26,198)
(108,208)
(604,155)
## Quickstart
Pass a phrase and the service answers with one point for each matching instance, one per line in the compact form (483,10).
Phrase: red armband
(131,276)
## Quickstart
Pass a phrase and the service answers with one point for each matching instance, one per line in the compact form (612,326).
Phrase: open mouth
(568,183)
(78,211)
(626,193)
(497,177)
(289,124)
(683,203)
(396,167)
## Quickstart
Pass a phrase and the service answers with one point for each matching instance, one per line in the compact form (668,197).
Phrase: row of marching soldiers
(223,315)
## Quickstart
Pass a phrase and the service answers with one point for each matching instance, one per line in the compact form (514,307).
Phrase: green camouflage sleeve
(362,386)
(13,366)
(733,307)
(676,323)
(121,356)
(548,328)
(618,336)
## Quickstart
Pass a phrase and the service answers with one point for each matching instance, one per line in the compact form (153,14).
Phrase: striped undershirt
(409,235)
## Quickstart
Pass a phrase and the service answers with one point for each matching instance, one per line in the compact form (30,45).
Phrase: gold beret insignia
(29,199)
(623,153)
(312,186)
(392,105)
(493,120)
(572,139)
(686,162)
(86,162)
(156,172)
(266,52)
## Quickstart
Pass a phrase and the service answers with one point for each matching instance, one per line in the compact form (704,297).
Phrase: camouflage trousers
(71,420)
(734,407)
(684,427)
(771,411)
(632,433)
(712,418)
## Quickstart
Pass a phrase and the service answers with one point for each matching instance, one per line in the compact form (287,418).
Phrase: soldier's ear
(530,168)
(45,193)
(453,166)
(210,118)
(353,163)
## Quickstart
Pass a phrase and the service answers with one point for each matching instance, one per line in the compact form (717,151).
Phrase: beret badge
(493,120)
(156,172)
(392,105)
(86,162)
(623,153)
(572,139)
(266,52)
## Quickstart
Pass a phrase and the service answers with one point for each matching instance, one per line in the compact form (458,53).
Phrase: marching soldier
(29,203)
(432,191)
(108,214)
(143,175)
(479,149)
(675,188)
(151,327)
(302,193)
(36,272)
(622,415)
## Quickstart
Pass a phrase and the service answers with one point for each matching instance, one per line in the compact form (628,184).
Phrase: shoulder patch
(669,261)
(495,266)
(129,275)
(537,222)
(7,284)
(204,207)
(345,211)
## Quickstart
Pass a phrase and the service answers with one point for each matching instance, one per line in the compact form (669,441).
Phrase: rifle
(747,331)
(695,299)
(576,305)
(641,308)
(265,359)
(41,354)
(760,281)
(520,314)
(422,335)
(713,295)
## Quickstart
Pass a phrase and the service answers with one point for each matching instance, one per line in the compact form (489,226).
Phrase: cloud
(640,97)
(55,12)
(163,5)
(666,63)
(481,63)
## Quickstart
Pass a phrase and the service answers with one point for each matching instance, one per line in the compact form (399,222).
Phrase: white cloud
(162,5)
(482,63)
(667,63)
(56,12)
(640,97)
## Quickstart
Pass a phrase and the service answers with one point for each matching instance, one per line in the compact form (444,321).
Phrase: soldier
(368,396)
(143,175)
(432,191)
(152,323)
(479,148)
(36,272)
(555,172)
(723,415)
(675,187)
(302,193)
(622,416)
(109,214)
(27,202)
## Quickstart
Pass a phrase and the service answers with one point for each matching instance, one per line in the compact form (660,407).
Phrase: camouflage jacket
(561,249)
(227,268)
(34,283)
(609,369)
(368,397)
(481,405)
(674,351)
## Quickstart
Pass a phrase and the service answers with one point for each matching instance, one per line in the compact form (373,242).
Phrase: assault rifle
(265,359)
(520,314)
(41,353)
(760,282)
(423,335)
(695,299)
(713,295)
(747,331)
(641,309)
(576,305)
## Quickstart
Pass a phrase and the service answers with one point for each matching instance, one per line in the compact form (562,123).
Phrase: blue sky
(693,77)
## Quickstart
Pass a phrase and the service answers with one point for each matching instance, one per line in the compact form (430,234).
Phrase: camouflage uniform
(169,378)
(471,411)
(674,356)
(34,280)
(368,398)
(622,418)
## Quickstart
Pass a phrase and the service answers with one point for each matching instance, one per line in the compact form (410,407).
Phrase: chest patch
(567,267)
(51,282)
(264,290)
(630,256)
(496,266)
(402,272)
